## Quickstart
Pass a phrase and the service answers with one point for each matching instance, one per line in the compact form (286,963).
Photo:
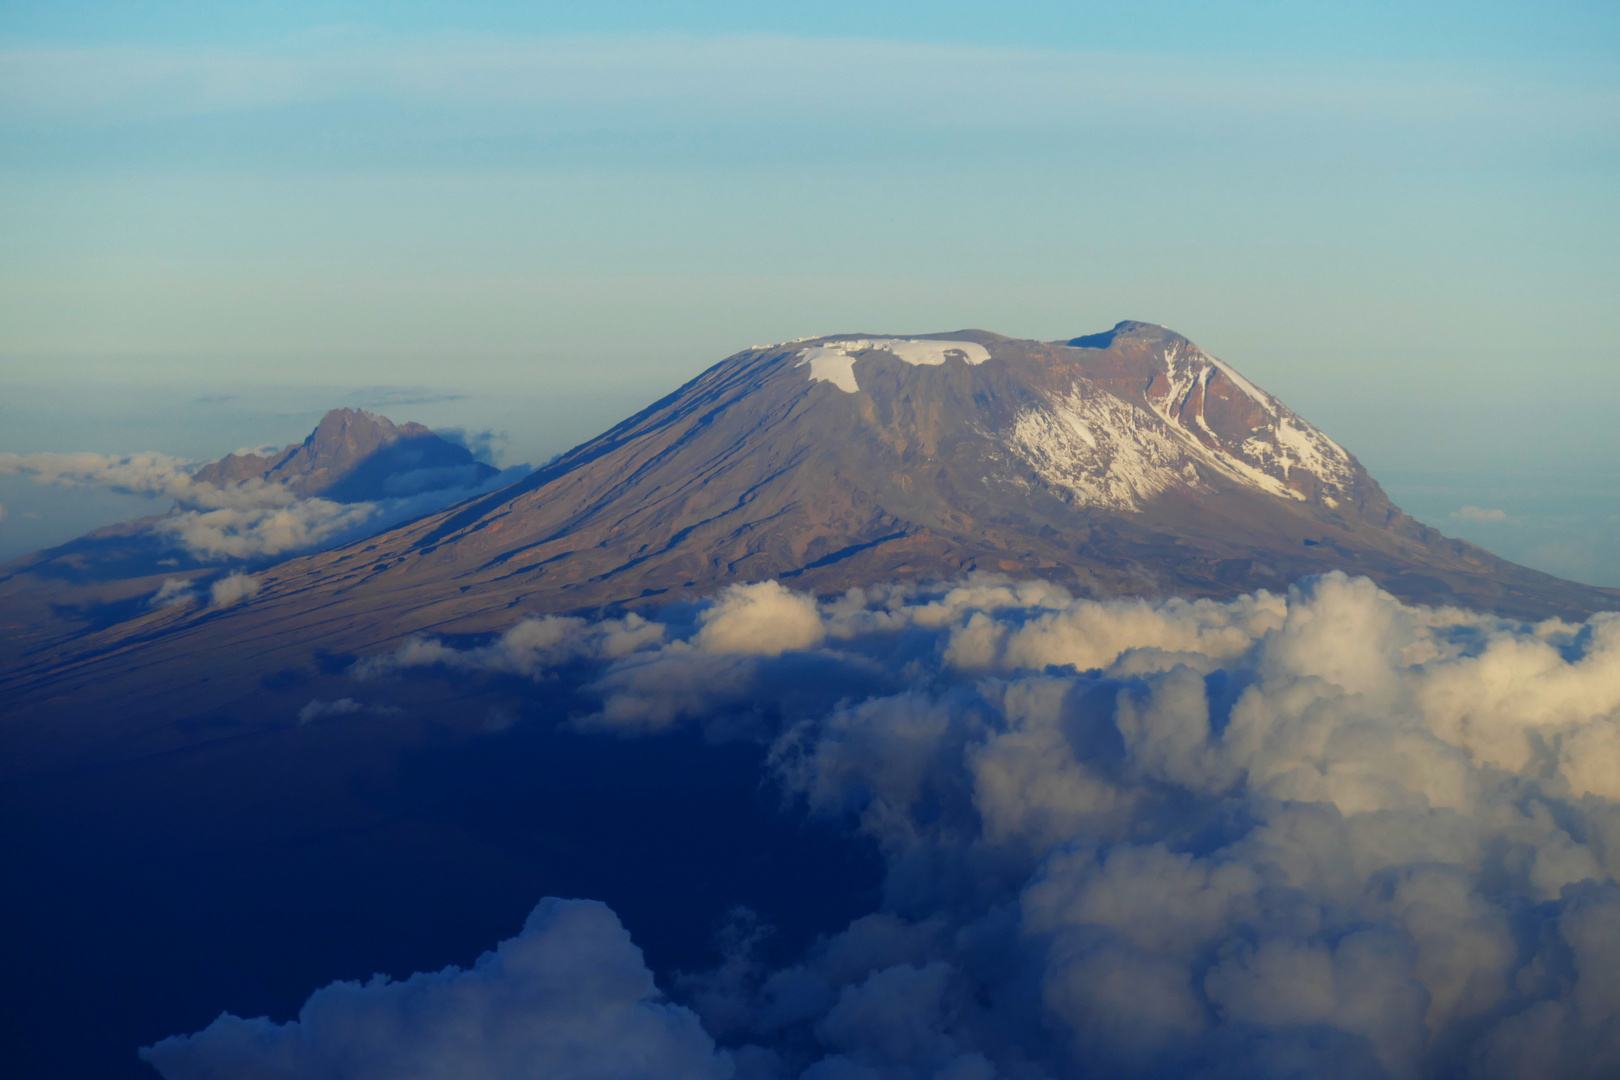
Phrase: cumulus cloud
(1478,513)
(147,473)
(1320,833)
(245,530)
(747,647)
(568,998)
(254,518)
(763,620)
(174,592)
(532,647)
(232,589)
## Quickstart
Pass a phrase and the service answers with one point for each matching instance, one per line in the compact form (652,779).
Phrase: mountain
(1125,463)
(205,810)
(352,456)
(355,458)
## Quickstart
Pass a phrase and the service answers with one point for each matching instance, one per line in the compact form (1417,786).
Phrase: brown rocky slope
(1127,463)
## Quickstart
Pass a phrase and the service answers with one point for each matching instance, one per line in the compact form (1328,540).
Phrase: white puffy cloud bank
(252,519)
(568,998)
(1316,835)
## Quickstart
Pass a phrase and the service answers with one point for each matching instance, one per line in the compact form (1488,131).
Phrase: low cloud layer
(568,998)
(1321,834)
(147,473)
(253,519)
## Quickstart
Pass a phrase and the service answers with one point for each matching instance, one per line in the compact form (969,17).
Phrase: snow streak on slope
(1274,449)
(834,361)
(1103,451)
(1110,453)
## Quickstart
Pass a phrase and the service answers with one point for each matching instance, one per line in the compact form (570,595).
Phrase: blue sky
(1399,217)
(1483,28)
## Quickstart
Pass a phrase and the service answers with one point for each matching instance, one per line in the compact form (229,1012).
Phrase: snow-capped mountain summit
(1114,426)
(1123,463)
(1169,416)
(1112,421)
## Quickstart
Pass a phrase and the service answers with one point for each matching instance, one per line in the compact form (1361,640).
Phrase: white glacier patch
(830,365)
(933,353)
(834,361)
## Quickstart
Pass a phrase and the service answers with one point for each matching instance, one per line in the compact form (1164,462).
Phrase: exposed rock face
(353,455)
(1124,463)
(1099,439)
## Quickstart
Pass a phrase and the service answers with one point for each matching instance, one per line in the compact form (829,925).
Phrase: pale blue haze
(1401,218)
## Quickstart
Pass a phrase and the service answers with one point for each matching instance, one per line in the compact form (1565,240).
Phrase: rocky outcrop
(354,455)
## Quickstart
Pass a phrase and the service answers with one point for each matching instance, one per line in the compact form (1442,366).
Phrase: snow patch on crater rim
(834,361)
(1108,452)
(830,365)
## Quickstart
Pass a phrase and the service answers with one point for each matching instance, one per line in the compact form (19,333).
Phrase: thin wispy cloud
(373,397)
(581,81)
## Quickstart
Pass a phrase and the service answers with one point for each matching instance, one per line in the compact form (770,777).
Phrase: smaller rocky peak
(357,429)
(354,456)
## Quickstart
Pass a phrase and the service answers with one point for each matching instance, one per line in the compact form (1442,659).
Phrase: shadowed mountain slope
(1128,463)
(353,455)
